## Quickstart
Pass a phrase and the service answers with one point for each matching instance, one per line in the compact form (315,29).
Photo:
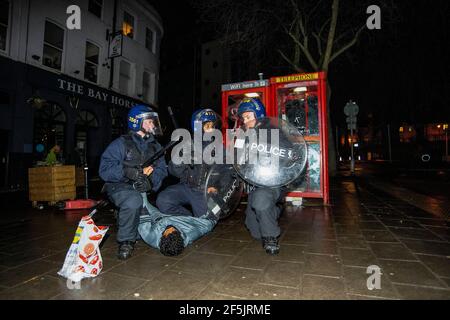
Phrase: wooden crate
(51,184)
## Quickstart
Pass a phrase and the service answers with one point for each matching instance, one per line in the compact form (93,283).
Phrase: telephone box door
(301,100)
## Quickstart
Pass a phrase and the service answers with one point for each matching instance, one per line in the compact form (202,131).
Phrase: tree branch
(305,51)
(348,45)
(296,67)
(331,33)
(319,43)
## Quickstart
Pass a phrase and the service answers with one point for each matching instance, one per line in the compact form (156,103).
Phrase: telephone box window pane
(296,113)
(313,167)
(313,115)
(299,106)
(309,181)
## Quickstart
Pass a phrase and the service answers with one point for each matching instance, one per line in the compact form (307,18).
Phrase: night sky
(397,74)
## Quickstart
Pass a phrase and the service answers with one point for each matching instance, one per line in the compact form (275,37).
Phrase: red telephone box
(301,100)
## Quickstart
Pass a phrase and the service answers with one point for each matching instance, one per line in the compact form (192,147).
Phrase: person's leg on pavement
(263,202)
(130,204)
(251,222)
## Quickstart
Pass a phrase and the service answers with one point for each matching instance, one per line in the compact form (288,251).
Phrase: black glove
(131,173)
(142,184)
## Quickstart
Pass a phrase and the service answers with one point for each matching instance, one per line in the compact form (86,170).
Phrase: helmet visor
(153,127)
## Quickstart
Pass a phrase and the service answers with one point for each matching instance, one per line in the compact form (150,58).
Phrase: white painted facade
(25,41)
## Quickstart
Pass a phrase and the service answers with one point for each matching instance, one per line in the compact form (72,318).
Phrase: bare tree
(306,35)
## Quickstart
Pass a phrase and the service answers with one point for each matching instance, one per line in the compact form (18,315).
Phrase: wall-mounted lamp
(252,95)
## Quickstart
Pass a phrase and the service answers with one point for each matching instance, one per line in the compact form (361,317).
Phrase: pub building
(71,87)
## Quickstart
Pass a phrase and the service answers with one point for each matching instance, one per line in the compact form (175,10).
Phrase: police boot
(271,245)
(125,250)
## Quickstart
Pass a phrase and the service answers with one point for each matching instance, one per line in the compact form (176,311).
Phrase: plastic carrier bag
(83,260)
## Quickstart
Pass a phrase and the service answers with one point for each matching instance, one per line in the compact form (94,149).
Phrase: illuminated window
(401,129)
(128,25)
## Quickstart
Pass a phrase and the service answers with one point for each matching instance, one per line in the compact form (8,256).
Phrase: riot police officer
(189,191)
(125,179)
(262,212)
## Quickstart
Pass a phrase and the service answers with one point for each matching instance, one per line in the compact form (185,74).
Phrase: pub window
(149,39)
(128,25)
(95,7)
(146,86)
(49,126)
(91,62)
(53,45)
(125,77)
(4,22)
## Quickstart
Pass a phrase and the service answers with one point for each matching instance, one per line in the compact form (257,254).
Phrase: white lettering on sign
(61,83)
(80,89)
(98,95)
(71,86)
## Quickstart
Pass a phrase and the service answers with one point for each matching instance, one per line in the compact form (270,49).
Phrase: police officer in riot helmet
(125,179)
(190,189)
(262,212)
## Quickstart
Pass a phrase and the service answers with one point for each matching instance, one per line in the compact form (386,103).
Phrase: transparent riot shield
(223,191)
(272,154)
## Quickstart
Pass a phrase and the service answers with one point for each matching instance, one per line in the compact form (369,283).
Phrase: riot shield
(223,191)
(272,154)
